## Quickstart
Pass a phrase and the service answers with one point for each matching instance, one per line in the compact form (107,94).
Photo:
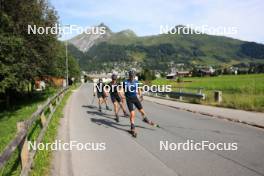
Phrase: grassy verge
(239,91)
(8,120)
(20,112)
(42,161)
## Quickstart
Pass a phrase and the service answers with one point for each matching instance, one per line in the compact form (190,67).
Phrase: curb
(208,114)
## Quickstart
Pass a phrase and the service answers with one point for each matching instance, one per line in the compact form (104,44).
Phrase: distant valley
(122,50)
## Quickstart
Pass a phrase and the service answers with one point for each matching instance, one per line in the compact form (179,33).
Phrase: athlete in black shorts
(101,94)
(116,96)
(131,92)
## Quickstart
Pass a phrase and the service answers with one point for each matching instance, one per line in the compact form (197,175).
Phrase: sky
(145,17)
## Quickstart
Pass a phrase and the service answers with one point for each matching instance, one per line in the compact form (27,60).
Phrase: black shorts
(133,101)
(115,98)
(101,95)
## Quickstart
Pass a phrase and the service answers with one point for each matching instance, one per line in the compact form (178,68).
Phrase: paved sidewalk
(247,117)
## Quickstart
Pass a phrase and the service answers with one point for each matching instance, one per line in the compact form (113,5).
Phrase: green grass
(239,91)
(42,158)
(20,112)
(8,120)
(42,161)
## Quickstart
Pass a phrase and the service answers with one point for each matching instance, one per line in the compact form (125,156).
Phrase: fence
(179,94)
(20,140)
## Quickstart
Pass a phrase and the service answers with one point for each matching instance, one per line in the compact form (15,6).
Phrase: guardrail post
(218,96)
(57,100)
(24,154)
(199,91)
(180,97)
(43,119)
(50,107)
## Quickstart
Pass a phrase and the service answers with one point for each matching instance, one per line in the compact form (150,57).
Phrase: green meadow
(21,111)
(239,91)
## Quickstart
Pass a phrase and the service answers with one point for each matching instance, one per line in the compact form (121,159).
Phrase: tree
(147,75)
(24,56)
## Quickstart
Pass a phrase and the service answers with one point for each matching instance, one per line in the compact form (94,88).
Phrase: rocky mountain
(125,49)
(85,41)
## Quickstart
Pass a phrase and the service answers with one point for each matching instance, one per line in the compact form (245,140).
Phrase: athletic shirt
(130,88)
(113,88)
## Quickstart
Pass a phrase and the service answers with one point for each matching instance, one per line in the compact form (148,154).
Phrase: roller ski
(126,114)
(133,131)
(106,108)
(117,118)
(146,120)
(100,109)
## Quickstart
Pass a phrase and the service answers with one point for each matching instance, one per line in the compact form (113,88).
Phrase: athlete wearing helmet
(132,92)
(101,94)
(117,96)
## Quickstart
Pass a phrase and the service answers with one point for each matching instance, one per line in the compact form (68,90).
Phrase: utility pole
(66,59)
(67,63)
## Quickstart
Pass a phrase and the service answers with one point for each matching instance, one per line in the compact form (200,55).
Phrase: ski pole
(93,100)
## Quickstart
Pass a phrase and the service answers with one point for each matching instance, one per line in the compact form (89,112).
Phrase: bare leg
(122,105)
(99,103)
(142,112)
(132,117)
(132,122)
(105,101)
(116,109)
(145,119)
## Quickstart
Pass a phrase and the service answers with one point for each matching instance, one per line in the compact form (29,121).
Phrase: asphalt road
(125,155)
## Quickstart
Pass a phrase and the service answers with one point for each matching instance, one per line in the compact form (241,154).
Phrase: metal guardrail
(20,140)
(178,95)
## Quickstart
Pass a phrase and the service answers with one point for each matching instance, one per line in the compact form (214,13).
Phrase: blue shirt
(130,88)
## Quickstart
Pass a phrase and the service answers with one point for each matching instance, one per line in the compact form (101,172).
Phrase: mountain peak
(106,27)
(181,29)
(85,41)
(128,32)
(102,24)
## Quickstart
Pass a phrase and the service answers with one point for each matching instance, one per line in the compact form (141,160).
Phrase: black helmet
(114,77)
(131,73)
(100,80)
